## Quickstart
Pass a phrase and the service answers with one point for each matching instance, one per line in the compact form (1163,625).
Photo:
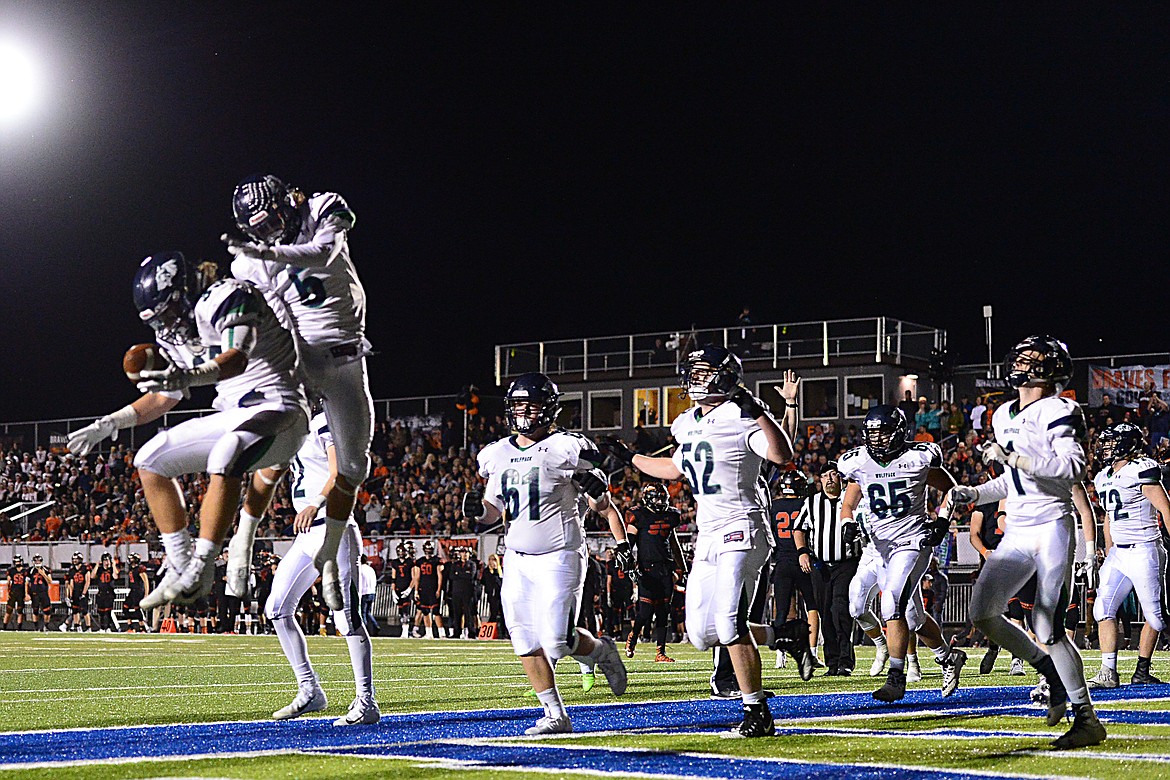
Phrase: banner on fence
(1126,384)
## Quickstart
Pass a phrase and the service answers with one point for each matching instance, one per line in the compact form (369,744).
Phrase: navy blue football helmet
(885,432)
(265,210)
(165,288)
(710,372)
(532,388)
(1123,441)
(1038,360)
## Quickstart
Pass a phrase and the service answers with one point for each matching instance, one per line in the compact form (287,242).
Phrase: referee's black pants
(831,586)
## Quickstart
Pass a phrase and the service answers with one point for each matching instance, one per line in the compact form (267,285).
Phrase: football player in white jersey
(891,475)
(226,336)
(298,254)
(1038,437)
(864,586)
(1129,487)
(313,471)
(724,441)
(536,480)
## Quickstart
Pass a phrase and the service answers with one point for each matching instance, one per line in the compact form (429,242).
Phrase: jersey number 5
(310,288)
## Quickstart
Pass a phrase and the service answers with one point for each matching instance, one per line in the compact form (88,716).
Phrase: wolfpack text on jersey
(894,493)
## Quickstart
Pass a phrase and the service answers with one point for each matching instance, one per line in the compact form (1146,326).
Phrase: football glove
(743,398)
(936,531)
(964,495)
(624,557)
(616,448)
(592,484)
(473,508)
(238,247)
(85,439)
(850,531)
(1088,571)
(173,378)
(994,453)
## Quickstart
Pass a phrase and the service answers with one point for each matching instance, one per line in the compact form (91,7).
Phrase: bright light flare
(19,83)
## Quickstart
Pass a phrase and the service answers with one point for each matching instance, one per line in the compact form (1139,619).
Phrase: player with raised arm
(891,475)
(225,335)
(536,480)
(313,471)
(1038,438)
(297,253)
(1129,487)
(724,441)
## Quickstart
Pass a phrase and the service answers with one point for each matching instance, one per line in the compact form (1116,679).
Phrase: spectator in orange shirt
(923,434)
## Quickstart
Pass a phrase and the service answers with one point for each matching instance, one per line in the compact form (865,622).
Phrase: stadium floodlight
(19,83)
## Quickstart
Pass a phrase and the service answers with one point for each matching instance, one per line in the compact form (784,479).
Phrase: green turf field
(52,682)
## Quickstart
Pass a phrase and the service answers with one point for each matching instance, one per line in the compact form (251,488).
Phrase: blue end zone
(429,735)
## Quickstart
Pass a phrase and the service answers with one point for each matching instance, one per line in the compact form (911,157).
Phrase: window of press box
(818,399)
(570,416)
(605,409)
(862,393)
(648,407)
(677,402)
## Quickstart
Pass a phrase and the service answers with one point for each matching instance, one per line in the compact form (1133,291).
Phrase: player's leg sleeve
(348,619)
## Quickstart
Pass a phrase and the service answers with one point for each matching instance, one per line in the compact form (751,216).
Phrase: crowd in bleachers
(420,473)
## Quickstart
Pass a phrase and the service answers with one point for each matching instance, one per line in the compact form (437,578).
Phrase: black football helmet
(1123,441)
(792,484)
(265,210)
(18,560)
(710,372)
(38,560)
(428,548)
(884,432)
(77,559)
(165,289)
(1038,360)
(401,552)
(134,559)
(654,497)
(532,388)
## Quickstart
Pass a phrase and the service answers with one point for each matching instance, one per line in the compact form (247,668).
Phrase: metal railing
(877,337)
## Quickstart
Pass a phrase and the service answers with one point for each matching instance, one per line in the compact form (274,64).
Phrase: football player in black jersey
(651,525)
(788,579)
(619,594)
(430,585)
(104,578)
(39,580)
(78,577)
(139,586)
(403,576)
(17,585)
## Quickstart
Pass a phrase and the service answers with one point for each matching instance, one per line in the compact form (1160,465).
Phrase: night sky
(521,172)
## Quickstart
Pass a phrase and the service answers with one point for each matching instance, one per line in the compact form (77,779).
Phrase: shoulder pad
(328,205)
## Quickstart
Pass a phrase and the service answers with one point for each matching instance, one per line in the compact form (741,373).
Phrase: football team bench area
(111,706)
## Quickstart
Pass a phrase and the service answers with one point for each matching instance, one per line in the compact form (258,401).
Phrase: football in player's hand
(143,357)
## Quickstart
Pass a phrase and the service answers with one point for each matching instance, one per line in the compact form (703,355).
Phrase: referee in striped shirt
(832,562)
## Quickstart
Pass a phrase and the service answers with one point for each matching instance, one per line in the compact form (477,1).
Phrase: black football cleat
(757,722)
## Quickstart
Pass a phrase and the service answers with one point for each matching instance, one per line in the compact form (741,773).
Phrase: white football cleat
(330,583)
(195,582)
(157,596)
(239,565)
(310,699)
(781,659)
(881,657)
(611,665)
(551,725)
(361,711)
